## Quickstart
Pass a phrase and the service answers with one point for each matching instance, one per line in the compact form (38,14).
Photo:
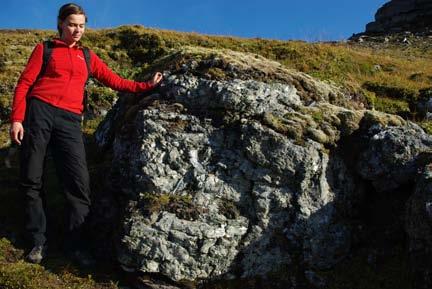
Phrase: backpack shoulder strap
(86,52)
(48,47)
(47,52)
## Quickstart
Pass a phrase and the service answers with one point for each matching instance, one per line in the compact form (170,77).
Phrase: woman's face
(72,28)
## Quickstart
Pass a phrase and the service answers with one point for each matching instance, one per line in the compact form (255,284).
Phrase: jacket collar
(59,42)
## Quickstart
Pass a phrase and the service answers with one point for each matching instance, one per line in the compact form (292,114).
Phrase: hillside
(259,162)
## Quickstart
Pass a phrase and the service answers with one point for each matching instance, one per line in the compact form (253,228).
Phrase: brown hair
(67,10)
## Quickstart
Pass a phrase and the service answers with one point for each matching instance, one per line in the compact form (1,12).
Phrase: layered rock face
(238,167)
(402,15)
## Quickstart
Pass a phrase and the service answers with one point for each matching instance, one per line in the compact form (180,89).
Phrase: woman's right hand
(156,79)
(16,132)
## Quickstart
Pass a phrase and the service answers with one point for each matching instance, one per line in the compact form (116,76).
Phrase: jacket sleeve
(102,73)
(25,82)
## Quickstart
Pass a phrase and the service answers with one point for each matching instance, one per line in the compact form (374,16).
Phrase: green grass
(17,274)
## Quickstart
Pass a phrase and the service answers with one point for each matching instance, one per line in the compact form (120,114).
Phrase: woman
(46,112)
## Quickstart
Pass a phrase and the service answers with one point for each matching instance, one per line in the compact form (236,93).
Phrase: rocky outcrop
(402,15)
(224,175)
(391,159)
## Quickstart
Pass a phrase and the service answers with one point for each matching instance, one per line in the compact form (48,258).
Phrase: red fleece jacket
(62,84)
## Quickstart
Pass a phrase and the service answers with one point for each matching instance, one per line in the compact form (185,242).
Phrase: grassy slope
(387,76)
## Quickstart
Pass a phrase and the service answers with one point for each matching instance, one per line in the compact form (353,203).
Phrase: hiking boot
(81,258)
(37,254)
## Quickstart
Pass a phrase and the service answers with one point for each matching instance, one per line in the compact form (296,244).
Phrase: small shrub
(426,125)
(182,206)
(392,106)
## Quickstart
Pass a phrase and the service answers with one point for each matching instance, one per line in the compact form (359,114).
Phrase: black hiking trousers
(48,127)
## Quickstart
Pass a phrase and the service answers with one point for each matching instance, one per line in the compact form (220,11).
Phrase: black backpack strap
(86,53)
(47,52)
(48,47)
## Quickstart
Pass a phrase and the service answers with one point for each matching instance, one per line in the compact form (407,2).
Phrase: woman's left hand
(156,79)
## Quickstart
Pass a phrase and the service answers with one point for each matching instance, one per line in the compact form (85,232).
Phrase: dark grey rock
(391,157)
(402,15)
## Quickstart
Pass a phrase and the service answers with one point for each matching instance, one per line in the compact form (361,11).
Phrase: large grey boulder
(233,177)
(280,189)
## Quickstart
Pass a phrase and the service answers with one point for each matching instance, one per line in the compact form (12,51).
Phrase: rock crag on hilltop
(402,15)
(238,168)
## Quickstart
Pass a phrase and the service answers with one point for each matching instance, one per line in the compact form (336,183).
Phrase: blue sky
(310,20)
